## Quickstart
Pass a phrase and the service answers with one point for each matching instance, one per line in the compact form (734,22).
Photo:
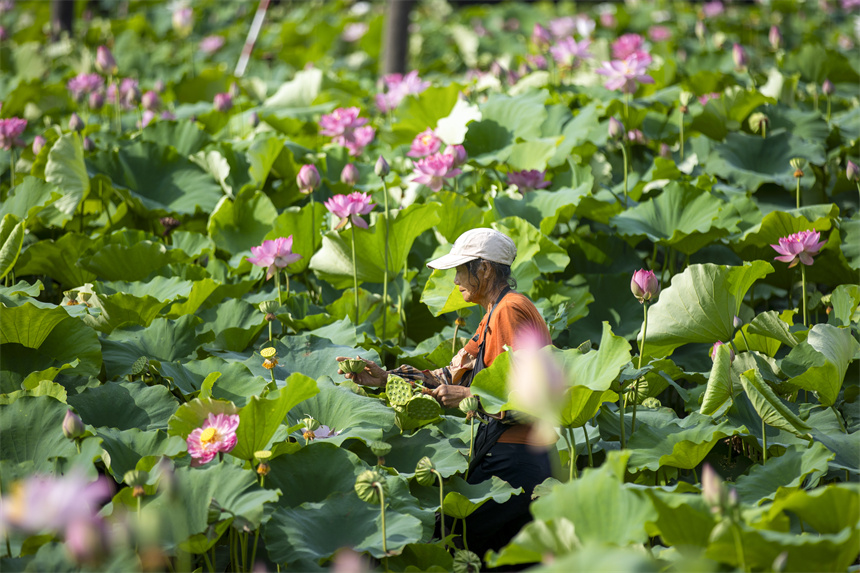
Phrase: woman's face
(469,285)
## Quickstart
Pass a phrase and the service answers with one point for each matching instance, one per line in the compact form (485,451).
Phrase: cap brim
(450,261)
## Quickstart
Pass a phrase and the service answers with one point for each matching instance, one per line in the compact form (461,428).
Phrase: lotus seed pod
(652,403)
(798,162)
(469,404)
(380,449)
(398,390)
(367,486)
(84,296)
(268,352)
(263,455)
(424,471)
(352,365)
(466,562)
(423,408)
(310,423)
(73,426)
(269,306)
(140,365)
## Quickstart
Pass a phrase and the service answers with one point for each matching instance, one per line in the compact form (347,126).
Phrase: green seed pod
(140,366)
(269,306)
(652,403)
(398,390)
(352,365)
(469,404)
(380,449)
(135,477)
(366,486)
(423,408)
(310,423)
(466,562)
(424,471)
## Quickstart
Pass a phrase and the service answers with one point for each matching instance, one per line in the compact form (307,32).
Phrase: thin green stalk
(313,225)
(382,514)
(12,168)
(739,547)
(624,153)
(588,447)
(454,342)
(797,194)
(572,445)
(471,445)
(385,269)
(287,282)
(278,287)
(695,475)
(354,273)
(838,419)
(118,114)
(270,331)
(254,550)
(682,135)
(208,563)
(621,415)
(641,353)
(441,503)
(465,543)
(139,524)
(803,285)
(243,541)
(763,442)
(828,109)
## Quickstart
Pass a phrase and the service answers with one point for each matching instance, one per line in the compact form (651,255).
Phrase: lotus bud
(466,562)
(779,563)
(636,136)
(700,30)
(4,35)
(368,484)
(739,56)
(381,168)
(150,101)
(73,426)
(733,500)
(616,128)
(87,540)
(183,21)
(424,471)
(717,344)
(88,144)
(711,487)
(105,63)
(308,179)
(852,171)
(310,423)
(268,306)
(719,38)
(737,322)
(458,152)
(234,90)
(644,285)
(159,86)
(349,175)
(827,88)
(254,119)
(223,102)
(469,404)
(76,123)
(39,142)
(798,163)
(775,37)
(665,151)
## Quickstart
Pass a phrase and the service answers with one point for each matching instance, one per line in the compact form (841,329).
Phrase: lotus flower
(644,285)
(636,136)
(76,123)
(568,53)
(105,62)
(827,87)
(349,207)
(211,44)
(584,25)
(183,21)
(705,98)
(561,27)
(626,45)
(739,56)
(398,87)
(528,180)
(458,152)
(712,9)
(433,170)
(150,101)
(84,84)
(796,247)
(354,32)
(624,74)
(38,143)
(541,37)
(10,130)
(223,102)
(425,143)
(659,33)
(774,37)
(96,101)
(274,254)
(217,434)
(308,179)
(616,128)
(347,129)
(128,91)
(608,20)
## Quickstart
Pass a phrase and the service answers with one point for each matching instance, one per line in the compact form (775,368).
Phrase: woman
(503,447)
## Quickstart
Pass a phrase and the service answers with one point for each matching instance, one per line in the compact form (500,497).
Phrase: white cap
(481,243)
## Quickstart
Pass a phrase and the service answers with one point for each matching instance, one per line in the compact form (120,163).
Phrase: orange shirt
(514,316)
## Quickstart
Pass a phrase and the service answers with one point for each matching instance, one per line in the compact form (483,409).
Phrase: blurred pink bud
(636,136)
(540,36)
(308,179)
(96,101)
(76,123)
(616,128)
(105,62)
(739,56)
(714,348)
(665,151)
(87,540)
(183,21)
(88,144)
(349,175)
(223,102)
(775,37)
(39,142)
(73,426)
(159,86)
(852,171)
(381,168)
(827,87)
(711,487)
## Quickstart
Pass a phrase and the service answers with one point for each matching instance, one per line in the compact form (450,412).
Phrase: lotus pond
(186,248)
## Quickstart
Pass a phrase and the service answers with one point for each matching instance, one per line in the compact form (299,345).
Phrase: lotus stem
(471,443)
(797,194)
(243,541)
(838,419)
(621,416)
(209,565)
(739,547)
(639,367)
(624,153)
(828,109)
(118,114)
(354,274)
(465,543)
(385,268)
(572,445)
(278,287)
(803,286)
(382,514)
(313,225)
(454,342)
(254,550)
(681,125)
(588,446)
(441,504)
(287,282)
(763,442)
(12,168)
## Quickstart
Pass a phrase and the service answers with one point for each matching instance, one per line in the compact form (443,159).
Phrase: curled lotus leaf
(352,365)
(367,486)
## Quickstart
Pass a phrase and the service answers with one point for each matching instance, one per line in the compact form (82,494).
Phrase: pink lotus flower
(146,118)
(712,9)
(800,246)
(347,129)
(150,101)
(659,33)
(561,27)
(274,254)
(626,45)
(105,62)
(568,53)
(183,20)
(128,91)
(10,130)
(84,84)
(541,37)
(96,101)
(774,36)
(705,98)
(607,20)
(717,344)
(360,139)
(308,178)
(636,136)
(49,503)
(739,56)
(398,87)
(211,44)
(354,32)
(624,74)
(433,170)
(217,434)
(644,285)
(536,61)
(349,207)
(425,143)
(528,180)
(616,128)
(458,152)
(852,171)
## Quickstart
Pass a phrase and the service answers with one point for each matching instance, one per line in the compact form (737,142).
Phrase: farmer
(503,447)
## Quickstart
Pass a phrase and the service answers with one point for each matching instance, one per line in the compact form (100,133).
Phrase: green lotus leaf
(163,340)
(11,241)
(769,406)
(310,355)
(261,417)
(419,112)
(829,509)
(312,532)
(533,154)
(522,114)
(234,324)
(751,161)
(422,557)
(583,128)
(333,261)
(124,448)
(164,289)
(132,405)
(370,316)
(683,520)
(755,242)
(821,361)
(158,178)
(581,403)
(719,116)
(772,325)
(786,473)
(303,226)
(816,63)
(346,412)
(122,309)
(599,557)
(556,537)
(32,430)
(460,213)
(487,142)
(445,451)
(262,155)
(183,136)
(299,92)
(600,507)
(191,415)
(682,217)
(845,300)
(700,305)
(130,263)
(537,254)
(201,290)
(844,446)
(720,382)
(846,121)
(57,259)
(314,473)
(237,225)
(612,303)
(66,169)
(807,125)
(44,387)
(541,208)
(33,339)
(462,499)
(441,295)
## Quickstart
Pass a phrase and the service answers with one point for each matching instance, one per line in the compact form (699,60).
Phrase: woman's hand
(451,395)
(372,375)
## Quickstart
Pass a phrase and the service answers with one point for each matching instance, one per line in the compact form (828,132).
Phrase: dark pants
(493,525)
